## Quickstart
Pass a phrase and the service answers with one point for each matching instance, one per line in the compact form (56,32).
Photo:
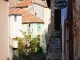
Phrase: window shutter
(38,27)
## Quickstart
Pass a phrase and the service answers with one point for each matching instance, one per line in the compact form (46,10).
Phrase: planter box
(18,56)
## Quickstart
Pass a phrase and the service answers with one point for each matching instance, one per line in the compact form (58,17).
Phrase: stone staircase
(54,46)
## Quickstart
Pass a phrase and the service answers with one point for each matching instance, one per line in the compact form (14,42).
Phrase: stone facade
(51,27)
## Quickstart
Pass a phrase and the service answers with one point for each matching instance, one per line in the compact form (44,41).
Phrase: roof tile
(15,3)
(24,3)
(27,17)
(14,11)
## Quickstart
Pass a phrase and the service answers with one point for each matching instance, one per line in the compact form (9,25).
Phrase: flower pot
(14,44)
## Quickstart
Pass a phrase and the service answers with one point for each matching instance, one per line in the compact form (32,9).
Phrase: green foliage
(39,50)
(16,38)
(29,45)
(21,47)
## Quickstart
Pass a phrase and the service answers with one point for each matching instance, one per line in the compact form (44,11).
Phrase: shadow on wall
(8,59)
(15,57)
(6,0)
(48,3)
(18,56)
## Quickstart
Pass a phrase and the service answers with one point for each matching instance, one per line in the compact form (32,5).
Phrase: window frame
(15,18)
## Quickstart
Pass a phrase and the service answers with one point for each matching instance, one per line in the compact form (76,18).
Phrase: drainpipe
(64,29)
(63,38)
(8,31)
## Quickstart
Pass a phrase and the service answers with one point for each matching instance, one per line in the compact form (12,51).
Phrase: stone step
(54,49)
(54,54)
(56,34)
(54,42)
(55,39)
(54,58)
(51,51)
(54,45)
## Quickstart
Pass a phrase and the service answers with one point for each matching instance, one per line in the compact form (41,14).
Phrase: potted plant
(15,42)
(29,48)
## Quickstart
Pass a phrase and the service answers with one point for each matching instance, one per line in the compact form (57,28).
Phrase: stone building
(74,29)
(54,29)
(70,29)
(57,27)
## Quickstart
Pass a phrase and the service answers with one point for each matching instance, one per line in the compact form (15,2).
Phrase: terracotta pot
(14,44)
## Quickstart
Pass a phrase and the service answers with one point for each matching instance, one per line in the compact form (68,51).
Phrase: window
(38,27)
(29,29)
(29,25)
(15,18)
(16,31)
(38,37)
(35,14)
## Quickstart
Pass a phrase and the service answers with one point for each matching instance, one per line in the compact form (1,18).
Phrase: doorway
(57,19)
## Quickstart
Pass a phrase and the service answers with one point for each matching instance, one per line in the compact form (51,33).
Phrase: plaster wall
(47,18)
(33,29)
(39,11)
(4,38)
(15,26)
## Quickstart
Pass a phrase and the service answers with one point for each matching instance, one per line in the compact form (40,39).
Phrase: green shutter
(38,27)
